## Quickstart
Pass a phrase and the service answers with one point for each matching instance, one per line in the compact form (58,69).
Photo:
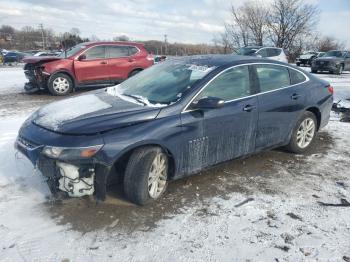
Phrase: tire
(340,70)
(60,84)
(296,142)
(137,175)
(314,71)
(298,64)
(134,72)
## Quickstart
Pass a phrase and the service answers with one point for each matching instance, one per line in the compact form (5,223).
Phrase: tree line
(289,24)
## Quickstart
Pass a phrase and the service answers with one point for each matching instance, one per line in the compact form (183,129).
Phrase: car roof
(112,43)
(222,60)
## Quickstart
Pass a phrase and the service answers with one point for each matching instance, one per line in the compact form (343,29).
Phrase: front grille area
(322,63)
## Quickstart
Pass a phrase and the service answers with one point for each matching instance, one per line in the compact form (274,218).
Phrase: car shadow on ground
(246,176)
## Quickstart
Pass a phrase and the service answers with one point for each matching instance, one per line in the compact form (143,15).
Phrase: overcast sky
(182,20)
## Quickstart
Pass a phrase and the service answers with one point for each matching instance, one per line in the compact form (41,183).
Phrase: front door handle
(249,108)
(295,96)
(103,63)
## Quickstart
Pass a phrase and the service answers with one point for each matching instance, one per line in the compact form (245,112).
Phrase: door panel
(93,67)
(212,136)
(119,62)
(279,105)
(217,135)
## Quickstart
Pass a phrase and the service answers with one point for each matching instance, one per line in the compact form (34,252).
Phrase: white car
(274,53)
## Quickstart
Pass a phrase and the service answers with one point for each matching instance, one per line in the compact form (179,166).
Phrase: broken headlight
(71,152)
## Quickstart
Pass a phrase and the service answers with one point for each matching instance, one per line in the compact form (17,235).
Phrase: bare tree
(327,43)
(290,19)
(255,17)
(249,24)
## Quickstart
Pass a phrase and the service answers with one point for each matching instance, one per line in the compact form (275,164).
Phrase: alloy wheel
(306,132)
(157,176)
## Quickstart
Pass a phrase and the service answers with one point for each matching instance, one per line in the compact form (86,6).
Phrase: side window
(272,77)
(232,84)
(118,51)
(273,52)
(133,50)
(97,52)
(296,77)
(263,52)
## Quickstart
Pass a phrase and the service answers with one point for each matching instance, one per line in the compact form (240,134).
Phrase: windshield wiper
(138,99)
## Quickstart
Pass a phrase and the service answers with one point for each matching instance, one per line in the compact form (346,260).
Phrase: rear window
(296,77)
(133,50)
(118,51)
(273,51)
(272,77)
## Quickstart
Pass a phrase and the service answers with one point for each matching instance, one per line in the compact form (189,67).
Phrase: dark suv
(86,64)
(334,61)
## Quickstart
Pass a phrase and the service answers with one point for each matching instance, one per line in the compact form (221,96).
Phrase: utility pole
(165,44)
(41,27)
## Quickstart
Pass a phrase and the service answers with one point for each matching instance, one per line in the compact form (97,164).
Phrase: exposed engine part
(72,183)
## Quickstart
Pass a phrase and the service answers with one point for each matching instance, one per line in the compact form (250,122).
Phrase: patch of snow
(12,80)
(53,114)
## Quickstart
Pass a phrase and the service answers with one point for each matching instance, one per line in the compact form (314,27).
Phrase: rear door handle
(249,108)
(295,96)
(103,63)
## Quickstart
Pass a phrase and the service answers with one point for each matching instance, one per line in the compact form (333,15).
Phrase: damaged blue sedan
(173,120)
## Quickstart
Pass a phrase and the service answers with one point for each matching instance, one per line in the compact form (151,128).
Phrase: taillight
(330,89)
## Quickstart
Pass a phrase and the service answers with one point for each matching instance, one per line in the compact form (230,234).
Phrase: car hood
(36,59)
(306,56)
(329,58)
(92,113)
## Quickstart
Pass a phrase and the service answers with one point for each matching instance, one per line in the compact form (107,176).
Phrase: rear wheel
(60,84)
(303,134)
(146,175)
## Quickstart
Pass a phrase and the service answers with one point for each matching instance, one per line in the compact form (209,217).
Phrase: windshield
(247,51)
(71,51)
(333,53)
(161,84)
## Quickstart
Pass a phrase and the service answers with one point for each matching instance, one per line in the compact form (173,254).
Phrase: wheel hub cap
(157,176)
(305,132)
(60,85)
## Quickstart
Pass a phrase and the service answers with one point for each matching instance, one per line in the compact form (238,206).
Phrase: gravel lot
(267,207)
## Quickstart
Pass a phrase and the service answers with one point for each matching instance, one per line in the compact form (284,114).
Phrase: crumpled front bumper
(74,178)
(37,80)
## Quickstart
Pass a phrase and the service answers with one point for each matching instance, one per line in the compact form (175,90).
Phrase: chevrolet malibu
(173,120)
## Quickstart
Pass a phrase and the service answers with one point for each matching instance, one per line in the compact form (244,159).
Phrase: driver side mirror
(258,55)
(208,103)
(82,57)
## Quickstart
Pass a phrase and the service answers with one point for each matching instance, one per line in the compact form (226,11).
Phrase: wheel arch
(317,114)
(135,69)
(66,72)
(120,163)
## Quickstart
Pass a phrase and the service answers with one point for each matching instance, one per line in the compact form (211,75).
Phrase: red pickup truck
(86,64)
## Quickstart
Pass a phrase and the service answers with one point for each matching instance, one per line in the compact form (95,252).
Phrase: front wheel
(304,133)
(146,175)
(60,84)
(339,70)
